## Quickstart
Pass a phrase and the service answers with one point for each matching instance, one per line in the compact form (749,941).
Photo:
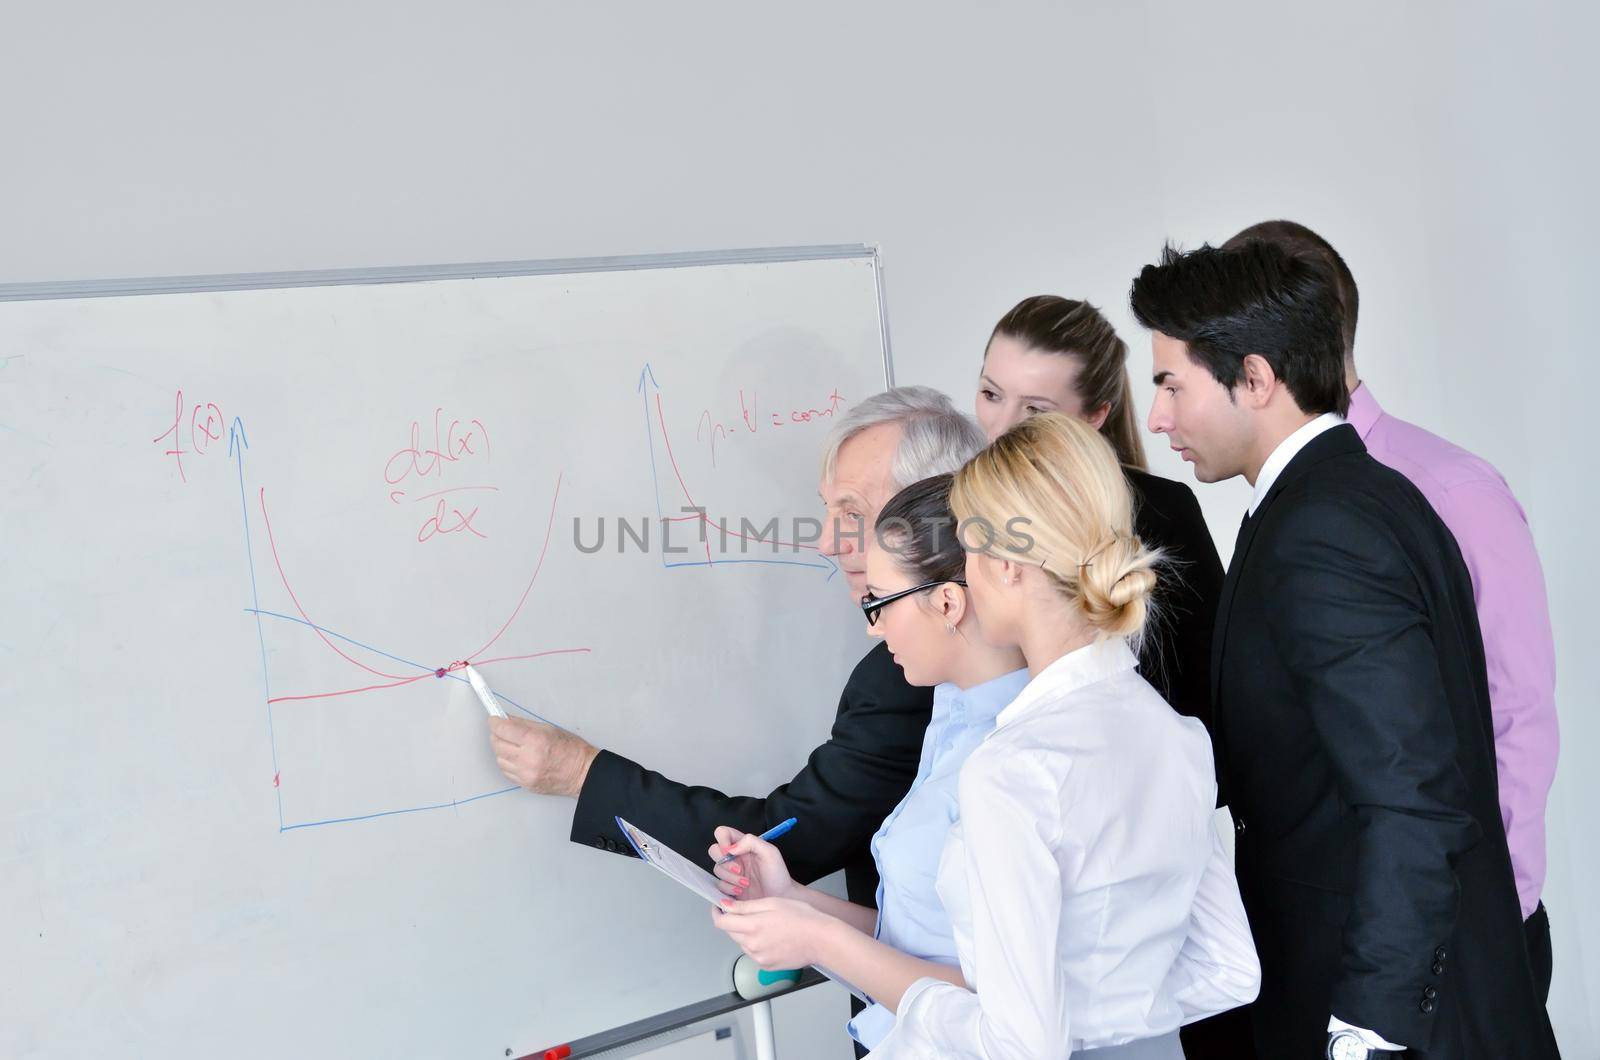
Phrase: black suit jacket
(847,788)
(1353,731)
(1176,654)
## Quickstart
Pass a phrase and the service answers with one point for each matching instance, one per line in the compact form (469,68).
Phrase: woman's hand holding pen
(778,922)
(757,871)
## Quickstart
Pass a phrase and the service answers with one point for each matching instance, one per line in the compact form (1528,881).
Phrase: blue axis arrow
(238,442)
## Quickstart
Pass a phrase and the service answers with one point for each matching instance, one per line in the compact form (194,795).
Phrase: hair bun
(1057,477)
(1115,583)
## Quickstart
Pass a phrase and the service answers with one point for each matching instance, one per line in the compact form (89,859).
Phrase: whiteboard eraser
(751,981)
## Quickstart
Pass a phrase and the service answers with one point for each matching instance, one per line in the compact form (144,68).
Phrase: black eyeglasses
(871,605)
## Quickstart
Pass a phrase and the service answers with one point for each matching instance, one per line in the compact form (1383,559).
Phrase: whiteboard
(248,519)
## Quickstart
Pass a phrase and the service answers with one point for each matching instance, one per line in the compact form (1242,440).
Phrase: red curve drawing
(397,680)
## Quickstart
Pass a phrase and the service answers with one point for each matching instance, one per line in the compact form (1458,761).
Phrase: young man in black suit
(1352,723)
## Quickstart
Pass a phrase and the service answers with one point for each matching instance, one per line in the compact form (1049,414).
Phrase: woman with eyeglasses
(917,601)
(1092,905)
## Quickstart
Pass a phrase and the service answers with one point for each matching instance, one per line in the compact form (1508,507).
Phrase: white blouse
(1091,899)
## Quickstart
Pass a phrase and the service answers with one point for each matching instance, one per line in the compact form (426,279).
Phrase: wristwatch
(1349,1045)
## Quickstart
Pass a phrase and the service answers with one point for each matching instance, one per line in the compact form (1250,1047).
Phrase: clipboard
(669,862)
(664,859)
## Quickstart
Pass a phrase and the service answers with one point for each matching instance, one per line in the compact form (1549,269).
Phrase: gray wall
(993,151)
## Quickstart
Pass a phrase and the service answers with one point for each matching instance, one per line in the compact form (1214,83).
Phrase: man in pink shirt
(1507,583)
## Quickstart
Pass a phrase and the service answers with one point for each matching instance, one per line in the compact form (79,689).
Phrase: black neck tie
(1238,542)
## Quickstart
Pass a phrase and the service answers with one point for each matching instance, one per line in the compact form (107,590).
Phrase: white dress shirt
(1091,899)
(1286,451)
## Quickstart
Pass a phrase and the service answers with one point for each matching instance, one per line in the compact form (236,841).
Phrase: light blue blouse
(907,847)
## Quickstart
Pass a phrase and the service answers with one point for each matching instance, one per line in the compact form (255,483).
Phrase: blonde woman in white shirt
(1094,909)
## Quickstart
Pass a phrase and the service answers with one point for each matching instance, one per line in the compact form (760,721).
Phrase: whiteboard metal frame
(259,281)
(664,1028)
(248,281)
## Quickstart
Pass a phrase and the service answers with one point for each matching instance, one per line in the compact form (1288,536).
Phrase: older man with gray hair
(850,783)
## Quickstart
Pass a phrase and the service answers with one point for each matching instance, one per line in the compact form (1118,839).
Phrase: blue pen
(769,835)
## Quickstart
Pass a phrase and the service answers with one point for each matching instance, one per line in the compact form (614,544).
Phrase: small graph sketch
(803,555)
(371,668)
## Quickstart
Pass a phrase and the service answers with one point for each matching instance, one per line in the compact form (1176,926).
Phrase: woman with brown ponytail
(1051,354)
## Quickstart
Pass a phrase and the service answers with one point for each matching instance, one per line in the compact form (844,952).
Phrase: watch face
(1348,1047)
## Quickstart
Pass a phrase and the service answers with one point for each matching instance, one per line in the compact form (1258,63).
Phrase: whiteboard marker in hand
(486,697)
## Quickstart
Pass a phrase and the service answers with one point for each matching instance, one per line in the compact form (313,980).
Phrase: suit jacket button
(1439,954)
(1438,967)
(1426,1006)
(611,845)
(1430,992)
(600,842)
(1238,825)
